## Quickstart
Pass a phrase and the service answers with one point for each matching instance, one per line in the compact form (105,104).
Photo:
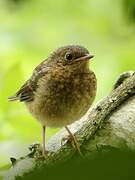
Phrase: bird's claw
(68,138)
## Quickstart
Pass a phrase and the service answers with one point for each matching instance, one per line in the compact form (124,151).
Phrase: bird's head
(71,56)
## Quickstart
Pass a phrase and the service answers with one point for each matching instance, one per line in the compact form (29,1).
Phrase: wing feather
(26,92)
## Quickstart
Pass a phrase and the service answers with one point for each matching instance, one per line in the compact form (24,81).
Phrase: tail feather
(13,98)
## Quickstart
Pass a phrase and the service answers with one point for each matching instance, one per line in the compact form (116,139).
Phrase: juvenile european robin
(60,90)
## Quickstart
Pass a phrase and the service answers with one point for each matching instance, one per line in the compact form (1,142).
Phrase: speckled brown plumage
(61,88)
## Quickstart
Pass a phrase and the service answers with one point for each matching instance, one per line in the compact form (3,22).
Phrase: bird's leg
(73,138)
(43,138)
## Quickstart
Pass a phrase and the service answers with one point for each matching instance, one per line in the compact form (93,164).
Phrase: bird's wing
(26,92)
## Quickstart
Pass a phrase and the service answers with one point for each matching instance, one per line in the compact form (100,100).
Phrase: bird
(60,90)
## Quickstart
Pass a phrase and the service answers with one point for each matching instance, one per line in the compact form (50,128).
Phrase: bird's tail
(13,98)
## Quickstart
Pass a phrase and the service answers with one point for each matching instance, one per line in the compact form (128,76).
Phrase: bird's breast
(62,98)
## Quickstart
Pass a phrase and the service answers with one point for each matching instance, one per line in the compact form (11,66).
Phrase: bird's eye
(68,56)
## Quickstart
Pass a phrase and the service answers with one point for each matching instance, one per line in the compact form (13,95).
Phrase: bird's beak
(89,56)
(85,58)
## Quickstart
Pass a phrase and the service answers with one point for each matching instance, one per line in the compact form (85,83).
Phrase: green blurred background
(31,29)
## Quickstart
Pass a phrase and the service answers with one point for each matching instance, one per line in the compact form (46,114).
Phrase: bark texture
(110,124)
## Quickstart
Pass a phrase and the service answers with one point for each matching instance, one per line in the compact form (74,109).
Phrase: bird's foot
(45,153)
(68,139)
(37,151)
(72,140)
